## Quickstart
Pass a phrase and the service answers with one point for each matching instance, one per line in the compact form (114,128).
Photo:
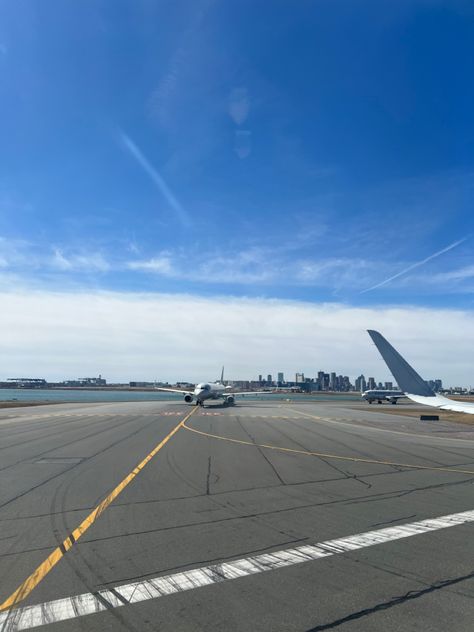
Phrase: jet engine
(188,398)
(229,400)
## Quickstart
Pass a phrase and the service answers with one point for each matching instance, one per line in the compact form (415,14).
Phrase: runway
(263,516)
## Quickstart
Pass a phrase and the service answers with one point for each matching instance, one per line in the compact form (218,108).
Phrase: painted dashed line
(91,603)
(91,415)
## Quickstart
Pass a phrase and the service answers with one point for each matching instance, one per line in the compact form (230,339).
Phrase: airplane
(414,386)
(374,395)
(210,390)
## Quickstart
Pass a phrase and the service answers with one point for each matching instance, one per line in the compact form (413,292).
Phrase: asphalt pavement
(99,502)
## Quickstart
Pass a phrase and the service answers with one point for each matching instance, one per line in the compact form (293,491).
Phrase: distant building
(93,381)
(389,386)
(299,378)
(26,382)
(320,380)
(86,381)
(345,383)
(269,378)
(435,385)
(281,378)
(371,385)
(361,384)
(260,378)
(141,384)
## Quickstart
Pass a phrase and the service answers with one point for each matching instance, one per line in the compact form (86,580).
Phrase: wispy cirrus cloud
(414,266)
(161,264)
(93,262)
(461,274)
(22,256)
(239,267)
(260,266)
(132,148)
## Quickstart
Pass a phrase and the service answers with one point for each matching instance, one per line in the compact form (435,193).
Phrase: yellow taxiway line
(53,558)
(327,456)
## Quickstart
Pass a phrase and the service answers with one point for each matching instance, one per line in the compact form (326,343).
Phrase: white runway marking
(90,603)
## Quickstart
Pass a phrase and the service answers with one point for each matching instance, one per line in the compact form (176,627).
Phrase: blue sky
(306,150)
(314,151)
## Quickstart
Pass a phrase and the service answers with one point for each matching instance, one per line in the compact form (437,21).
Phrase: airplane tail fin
(406,377)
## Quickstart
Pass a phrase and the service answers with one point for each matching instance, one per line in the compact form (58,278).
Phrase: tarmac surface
(234,483)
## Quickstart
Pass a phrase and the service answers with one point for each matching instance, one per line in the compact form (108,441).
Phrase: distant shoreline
(12,398)
(152,389)
(18,404)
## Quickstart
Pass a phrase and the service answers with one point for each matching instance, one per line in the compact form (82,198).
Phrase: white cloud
(160,265)
(461,274)
(262,266)
(147,336)
(93,262)
(246,266)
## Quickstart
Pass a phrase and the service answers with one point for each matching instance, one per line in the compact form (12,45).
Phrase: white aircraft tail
(411,383)
(406,377)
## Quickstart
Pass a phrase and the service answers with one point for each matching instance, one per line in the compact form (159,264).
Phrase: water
(59,395)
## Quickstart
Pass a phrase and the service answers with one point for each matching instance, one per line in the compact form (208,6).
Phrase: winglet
(222,376)
(406,377)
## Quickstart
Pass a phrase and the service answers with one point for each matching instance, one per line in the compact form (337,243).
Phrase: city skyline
(321,382)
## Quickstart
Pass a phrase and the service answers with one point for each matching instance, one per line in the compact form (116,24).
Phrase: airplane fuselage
(211,390)
(380,395)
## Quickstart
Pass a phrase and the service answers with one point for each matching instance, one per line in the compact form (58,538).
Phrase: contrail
(156,178)
(415,265)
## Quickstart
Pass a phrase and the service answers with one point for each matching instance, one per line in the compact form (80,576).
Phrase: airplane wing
(249,393)
(173,390)
(411,383)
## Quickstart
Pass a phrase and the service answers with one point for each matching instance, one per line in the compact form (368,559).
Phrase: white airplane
(374,395)
(411,383)
(210,390)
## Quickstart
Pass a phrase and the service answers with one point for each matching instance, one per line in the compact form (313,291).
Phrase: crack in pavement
(396,601)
